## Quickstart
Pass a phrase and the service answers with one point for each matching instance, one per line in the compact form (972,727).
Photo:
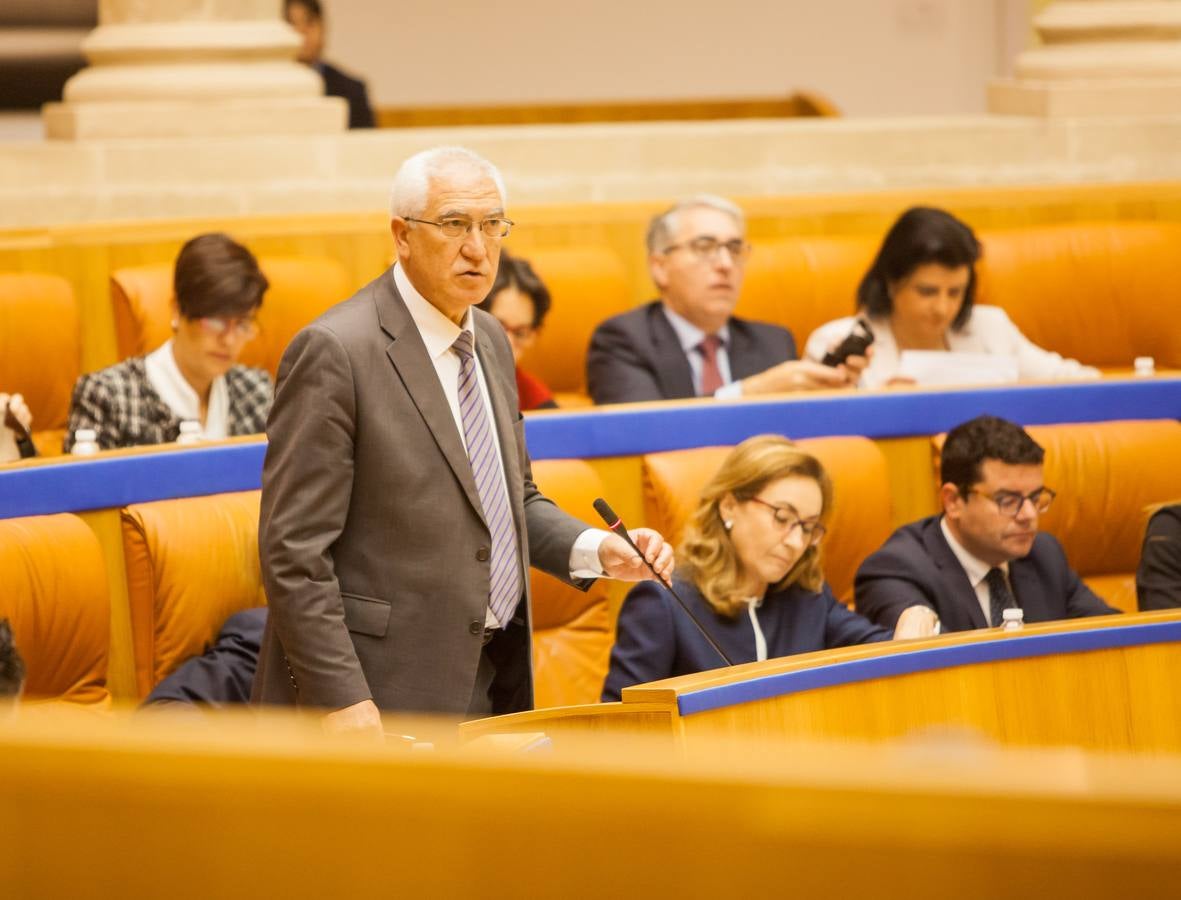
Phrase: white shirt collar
(975,567)
(689,334)
(173,388)
(438,332)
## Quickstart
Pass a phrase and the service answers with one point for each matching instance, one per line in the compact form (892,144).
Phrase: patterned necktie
(505,570)
(711,375)
(1000,597)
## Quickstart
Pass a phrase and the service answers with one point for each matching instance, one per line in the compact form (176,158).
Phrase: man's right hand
(363,718)
(798,375)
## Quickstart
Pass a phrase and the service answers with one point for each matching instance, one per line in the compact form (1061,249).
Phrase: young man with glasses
(687,343)
(984,553)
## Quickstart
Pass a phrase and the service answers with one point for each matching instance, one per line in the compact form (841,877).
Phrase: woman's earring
(727,524)
(175,324)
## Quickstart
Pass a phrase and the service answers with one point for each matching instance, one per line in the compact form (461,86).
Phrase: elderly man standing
(687,343)
(399,515)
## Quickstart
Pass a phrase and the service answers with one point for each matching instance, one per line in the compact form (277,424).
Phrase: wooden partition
(268,806)
(1103,683)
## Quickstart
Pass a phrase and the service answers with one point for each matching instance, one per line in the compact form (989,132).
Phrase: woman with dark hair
(749,568)
(519,300)
(919,294)
(194,375)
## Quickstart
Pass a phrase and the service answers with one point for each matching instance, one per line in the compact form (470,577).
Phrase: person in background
(224,673)
(15,423)
(919,294)
(519,301)
(307,17)
(687,343)
(12,667)
(749,567)
(984,554)
(194,375)
(1158,579)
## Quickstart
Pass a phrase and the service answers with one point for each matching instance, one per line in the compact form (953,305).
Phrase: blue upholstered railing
(111,481)
(907,663)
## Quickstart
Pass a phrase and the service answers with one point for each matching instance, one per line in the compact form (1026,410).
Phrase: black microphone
(615,524)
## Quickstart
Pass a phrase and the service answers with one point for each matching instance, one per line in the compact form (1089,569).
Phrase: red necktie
(711,375)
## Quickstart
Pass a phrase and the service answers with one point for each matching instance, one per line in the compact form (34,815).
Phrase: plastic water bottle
(1013,619)
(85,442)
(1144,366)
(190,432)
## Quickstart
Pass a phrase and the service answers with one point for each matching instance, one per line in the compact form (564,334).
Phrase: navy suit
(637,356)
(916,565)
(225,672)
(655,639)
(1158,579)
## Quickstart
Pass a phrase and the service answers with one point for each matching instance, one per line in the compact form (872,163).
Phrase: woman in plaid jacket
(193,375)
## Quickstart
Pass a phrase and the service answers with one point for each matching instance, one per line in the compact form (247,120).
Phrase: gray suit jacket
(374,550)
(637,356)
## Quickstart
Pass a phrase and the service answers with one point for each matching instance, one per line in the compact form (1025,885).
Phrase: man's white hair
(412,183)
(664,226)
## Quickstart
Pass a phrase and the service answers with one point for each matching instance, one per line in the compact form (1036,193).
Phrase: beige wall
(871,57)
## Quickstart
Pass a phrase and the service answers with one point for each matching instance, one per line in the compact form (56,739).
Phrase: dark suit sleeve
(306,489)
(1158,580)
(645,641)
(1081,600)
(616,370)
(224,673)
(885,586)
(843,628)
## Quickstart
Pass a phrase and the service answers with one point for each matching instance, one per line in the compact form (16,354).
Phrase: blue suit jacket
(655,639)
(225,672)
(637,356)
(916,565)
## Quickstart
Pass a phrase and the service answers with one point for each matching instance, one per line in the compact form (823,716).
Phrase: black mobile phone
(856,342)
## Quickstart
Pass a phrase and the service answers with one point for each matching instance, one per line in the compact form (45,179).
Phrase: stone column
(1098,57)
(171,68)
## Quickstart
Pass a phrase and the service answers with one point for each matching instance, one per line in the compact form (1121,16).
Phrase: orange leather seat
(55,594)
(1105,480)
(191,564)
(860,520)
(572,629)
(40,350)
(300,289)
(587,285)
(1098,292)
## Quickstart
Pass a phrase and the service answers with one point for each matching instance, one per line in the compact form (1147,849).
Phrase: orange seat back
(1105,482)
(55,594)
(1100,292)
(587,285)
(40,350)
(572,629)
(191,564)
(861,516)
(300,289)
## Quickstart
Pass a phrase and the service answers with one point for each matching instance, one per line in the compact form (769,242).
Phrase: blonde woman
(749,568)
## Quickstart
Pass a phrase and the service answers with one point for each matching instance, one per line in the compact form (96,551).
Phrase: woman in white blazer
(918,295)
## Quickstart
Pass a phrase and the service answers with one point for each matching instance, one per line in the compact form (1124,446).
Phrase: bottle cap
(85,435)
(1013,614)
(1144,365)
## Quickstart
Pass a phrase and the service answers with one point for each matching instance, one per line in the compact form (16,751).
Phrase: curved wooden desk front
(1106,683)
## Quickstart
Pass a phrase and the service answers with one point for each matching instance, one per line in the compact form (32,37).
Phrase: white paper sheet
(932,367)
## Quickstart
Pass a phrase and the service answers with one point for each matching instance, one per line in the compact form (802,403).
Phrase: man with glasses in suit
(984,554)
(687,343)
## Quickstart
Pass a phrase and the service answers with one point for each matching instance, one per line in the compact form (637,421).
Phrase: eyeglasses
(785,520)
(707,248)
(519,333)
(457,227)
(1010,503)
(245,327)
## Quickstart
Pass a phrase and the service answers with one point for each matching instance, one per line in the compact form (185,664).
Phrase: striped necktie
(711,372)
(504,563)
(999,596)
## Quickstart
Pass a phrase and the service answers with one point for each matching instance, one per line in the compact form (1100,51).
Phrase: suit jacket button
(482,554)
(476,627)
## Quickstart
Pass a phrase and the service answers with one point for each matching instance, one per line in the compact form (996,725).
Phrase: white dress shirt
(170,385)
(752,609)
(976,570)
(690,337)
(439,334)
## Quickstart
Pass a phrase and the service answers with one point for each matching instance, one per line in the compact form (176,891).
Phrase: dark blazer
(655,639)
(1158,580)
(124,410)
(338,84)
(637,356)
(224,673)
(916,565)
(374,548)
